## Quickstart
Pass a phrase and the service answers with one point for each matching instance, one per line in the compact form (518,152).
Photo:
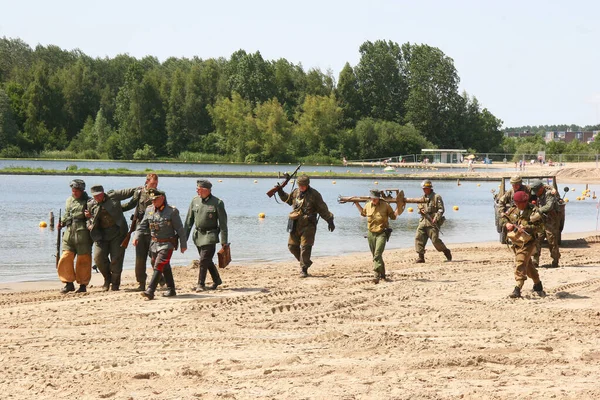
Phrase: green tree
(177,131)
(317,126)
(347,93)
(251,77)
(275,130)
(433,93)
(382,82)
(8,126)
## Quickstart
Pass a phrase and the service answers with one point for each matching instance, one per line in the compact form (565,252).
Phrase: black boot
(168,274)
(214,274)
(82,289)
(516,293)
(421,258)
(69,287)
(149,293)
(141,287)
(303,272)
(115,281)
(539,289)
(448,254)
(201,287)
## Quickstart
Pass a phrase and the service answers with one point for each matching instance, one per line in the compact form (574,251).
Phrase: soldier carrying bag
(224,256)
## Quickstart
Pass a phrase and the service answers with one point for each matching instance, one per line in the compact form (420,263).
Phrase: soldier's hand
(59,225)
(434,220)
(330,225)
(135,242)
(509,226)
(183,249)
(87,214)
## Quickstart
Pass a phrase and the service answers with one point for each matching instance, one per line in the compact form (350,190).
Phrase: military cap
(520,197)
(303,180)
(154,193)
(77,184)
(96,189)
(536,185)
(516,179)
(375,194)
(426,184)
(203,183)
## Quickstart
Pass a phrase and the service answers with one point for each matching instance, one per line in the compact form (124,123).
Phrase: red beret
(520,197)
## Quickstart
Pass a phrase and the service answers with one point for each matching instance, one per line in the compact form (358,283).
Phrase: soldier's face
(152,183)
(303,188)
(77,193)
(427,190)
(203,192)
(157,202)
(99,197)
(375,200)
(515,186)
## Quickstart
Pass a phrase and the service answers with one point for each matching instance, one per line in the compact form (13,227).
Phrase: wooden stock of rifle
(125,241)
(386,195)
(288,177)
(58,236)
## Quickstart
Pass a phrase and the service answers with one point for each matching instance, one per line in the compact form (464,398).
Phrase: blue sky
(528,62)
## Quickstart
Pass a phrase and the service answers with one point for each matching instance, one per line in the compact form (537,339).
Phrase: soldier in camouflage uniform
(522,222)
(163,224)
(547,202)
(432,218)
(108,228)
(378,214)
(140,201)
(76,241)
(307,205)
(207,213)
(506,201)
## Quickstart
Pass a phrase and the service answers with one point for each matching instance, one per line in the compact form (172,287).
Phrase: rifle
(58,236)
(287,177)
(430,220)
(134,219)
(387,195)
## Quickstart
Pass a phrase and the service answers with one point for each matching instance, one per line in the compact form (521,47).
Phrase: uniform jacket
(112,204)
(310,203)
(140,201)
(515,217)
(506,201)
(547,202)
(209,217)
(162,224)
(75,222)
(434,207)
(378,215)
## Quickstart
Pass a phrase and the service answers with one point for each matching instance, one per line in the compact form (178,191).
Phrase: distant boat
(389,169)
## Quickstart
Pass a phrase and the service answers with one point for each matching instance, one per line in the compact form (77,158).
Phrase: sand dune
(439,330)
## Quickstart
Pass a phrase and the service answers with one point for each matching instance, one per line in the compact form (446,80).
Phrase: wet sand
(435,331)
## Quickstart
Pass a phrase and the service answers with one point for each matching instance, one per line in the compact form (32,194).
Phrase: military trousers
(551,232)
(425,231)
(377,242)
(302,254)
(68,272)
(108,256)
(161,259)
(142,250)
(524,267)
(207,253)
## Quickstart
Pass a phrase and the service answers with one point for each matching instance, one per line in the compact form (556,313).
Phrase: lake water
(28,251)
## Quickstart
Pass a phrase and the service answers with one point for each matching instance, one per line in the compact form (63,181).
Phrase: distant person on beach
(378,213)
(522,223)
(432,218)
(163,224)
(207,214)
(76,241)
(547,202)
(108,227)
(140,201)
(307,205)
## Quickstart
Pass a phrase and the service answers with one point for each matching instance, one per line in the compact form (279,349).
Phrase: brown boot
(421,258)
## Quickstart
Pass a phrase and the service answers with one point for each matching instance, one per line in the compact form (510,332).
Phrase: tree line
(397,100)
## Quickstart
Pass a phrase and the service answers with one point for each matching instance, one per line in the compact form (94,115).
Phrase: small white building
(445,156)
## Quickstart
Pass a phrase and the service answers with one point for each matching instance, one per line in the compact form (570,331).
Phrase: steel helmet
(426,184)
(77,184)
(303,180)
(536,185)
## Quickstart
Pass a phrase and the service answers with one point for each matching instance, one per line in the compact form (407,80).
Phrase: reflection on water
(28,251)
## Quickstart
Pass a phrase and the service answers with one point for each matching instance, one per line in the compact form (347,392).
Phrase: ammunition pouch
(296,214)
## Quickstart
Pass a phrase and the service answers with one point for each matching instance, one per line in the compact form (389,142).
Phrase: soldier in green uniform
(140,201)
(547,202)
(76,241)
(207,213)
(378,214)
(522,222)
(432,218)
(506,201)
(108,228)
(307,204)
(163,224)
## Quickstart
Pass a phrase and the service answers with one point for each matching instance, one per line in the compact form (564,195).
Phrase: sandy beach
(436,330)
